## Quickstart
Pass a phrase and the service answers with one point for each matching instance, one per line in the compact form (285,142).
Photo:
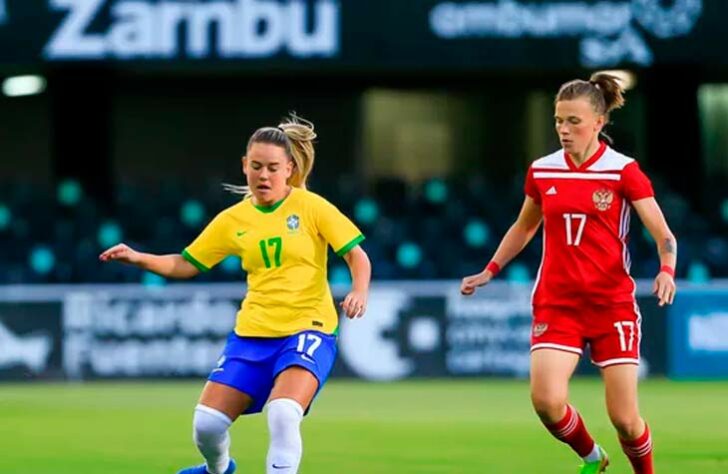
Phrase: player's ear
(244,163)
(290,167)
(599,124)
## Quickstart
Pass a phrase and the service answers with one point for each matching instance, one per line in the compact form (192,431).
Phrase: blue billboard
(698,335)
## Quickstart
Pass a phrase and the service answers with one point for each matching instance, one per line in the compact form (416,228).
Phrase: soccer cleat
(202,469)
(597,466)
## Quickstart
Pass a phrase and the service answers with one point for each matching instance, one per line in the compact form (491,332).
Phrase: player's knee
(628,425)
(209,424)
(283,413)
(549,406)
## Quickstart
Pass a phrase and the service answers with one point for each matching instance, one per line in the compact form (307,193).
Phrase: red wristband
(668,269)
(493,267)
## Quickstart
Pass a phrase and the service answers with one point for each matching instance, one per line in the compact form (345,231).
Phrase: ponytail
(610,88)
(300,133)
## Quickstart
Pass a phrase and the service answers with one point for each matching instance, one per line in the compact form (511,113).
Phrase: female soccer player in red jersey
(583,292)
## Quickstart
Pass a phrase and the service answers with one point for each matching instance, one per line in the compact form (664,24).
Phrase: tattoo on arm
(669,246)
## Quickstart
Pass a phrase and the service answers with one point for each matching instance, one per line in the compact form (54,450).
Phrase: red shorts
(612,332)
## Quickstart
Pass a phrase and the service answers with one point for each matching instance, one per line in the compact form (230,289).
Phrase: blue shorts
(251,364)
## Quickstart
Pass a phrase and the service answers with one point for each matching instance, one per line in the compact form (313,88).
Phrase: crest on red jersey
(603,199)
(539,329)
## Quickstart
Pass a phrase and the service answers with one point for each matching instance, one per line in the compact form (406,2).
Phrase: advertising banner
(698,335)
(30,340)
(431,334)
(148,334)
(382,35)
(419,329)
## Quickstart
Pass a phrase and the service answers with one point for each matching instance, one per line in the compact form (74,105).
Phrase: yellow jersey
(283,250)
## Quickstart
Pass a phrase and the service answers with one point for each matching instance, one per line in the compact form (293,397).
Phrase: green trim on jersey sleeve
(345,249)
(187,256)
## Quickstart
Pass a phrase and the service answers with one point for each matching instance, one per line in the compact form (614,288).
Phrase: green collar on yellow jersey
(269,209)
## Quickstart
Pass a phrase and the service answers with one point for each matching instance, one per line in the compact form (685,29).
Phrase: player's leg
(292,393)
(550,373)
(218,407)
(301,369)
(235,386)
(556,346)
(620,383)
(615,349)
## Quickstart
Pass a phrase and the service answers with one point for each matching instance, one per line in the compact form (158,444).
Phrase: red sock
(639,452)
(571,430)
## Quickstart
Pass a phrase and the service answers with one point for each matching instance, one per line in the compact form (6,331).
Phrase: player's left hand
(355,304)
(664,288)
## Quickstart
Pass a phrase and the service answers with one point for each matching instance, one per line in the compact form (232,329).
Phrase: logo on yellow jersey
(293,222)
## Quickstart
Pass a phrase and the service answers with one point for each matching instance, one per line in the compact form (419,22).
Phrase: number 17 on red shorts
(612,332)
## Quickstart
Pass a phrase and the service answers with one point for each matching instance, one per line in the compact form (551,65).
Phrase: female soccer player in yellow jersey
(284,343)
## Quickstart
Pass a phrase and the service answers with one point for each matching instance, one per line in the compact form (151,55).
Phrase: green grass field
(478,426)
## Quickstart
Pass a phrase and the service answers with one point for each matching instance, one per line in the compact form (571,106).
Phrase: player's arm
(653,219)
(168,266)
(344,238)
(355,303)
(517,237)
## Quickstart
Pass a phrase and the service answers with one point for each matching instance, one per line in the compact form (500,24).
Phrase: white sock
(286,447)
(211,437)
(595,455)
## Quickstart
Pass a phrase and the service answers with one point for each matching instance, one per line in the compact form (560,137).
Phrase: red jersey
(586,213)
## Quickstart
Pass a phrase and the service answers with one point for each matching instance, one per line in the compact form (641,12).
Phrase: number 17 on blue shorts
(251,364)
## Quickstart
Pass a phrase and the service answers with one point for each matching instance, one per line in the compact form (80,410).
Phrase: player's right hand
(470,283)
(120,253)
